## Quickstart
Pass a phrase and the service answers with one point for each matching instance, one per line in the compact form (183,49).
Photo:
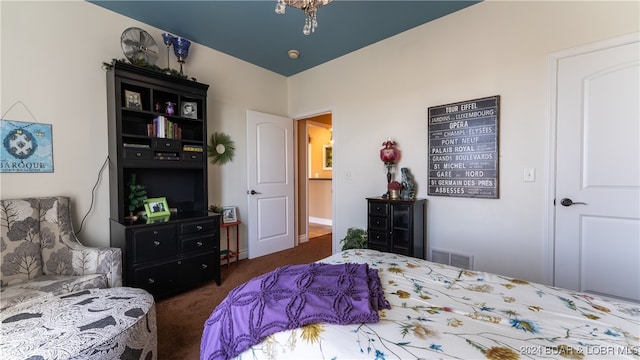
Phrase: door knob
(253,192)
(569,202)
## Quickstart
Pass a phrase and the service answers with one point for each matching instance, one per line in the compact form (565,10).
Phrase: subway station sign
(463,149)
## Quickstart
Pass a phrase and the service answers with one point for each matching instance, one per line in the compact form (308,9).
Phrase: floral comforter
(439,311)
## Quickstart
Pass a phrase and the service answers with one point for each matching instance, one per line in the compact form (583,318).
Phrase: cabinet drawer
(158,279)
(378,223)
(154,243)
(198,269)
(379,247)
(199,243)
(377,237)
(166,144)
(378,208)
(197,227)
(191,156)
(140,154)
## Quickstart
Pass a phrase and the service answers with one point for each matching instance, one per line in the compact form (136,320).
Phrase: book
(192,148)
(160,123)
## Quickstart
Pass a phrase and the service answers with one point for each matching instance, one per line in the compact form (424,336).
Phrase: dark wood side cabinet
(397,226)
(153,138)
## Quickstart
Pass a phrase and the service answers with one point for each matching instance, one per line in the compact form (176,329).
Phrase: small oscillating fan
(138,46)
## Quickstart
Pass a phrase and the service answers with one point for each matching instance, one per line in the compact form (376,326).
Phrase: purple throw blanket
(291,297)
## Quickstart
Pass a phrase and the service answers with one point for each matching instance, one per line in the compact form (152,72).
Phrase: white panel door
(270,177)
(597,213)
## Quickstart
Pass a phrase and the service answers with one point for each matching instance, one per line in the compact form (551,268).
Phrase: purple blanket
(291,297)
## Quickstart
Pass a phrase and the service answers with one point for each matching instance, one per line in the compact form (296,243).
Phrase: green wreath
(220,148)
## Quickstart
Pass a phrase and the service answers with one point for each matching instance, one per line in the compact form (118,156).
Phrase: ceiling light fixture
(308,6)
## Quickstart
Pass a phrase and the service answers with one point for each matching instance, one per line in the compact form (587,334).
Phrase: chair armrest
(98,260)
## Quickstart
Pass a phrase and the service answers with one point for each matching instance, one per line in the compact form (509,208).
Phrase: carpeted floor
(181,318)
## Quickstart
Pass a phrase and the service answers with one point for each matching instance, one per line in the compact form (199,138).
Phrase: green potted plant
(137,195)
(215,208)
(355,239)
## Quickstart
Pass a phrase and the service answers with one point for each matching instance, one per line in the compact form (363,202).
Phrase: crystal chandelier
(308,6)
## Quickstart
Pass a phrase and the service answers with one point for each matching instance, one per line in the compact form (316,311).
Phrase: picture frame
(189,109)
(229,214)
(327,157)
(132,100)
(156,207)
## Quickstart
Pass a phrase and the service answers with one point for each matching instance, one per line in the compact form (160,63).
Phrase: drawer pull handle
(199,227)
(193,157)
(138,154)
(204,266)
(155,232)
(151,280)
(167,144)
(156,243)
(199,243)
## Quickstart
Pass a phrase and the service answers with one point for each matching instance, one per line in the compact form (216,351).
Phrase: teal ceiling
(253,32)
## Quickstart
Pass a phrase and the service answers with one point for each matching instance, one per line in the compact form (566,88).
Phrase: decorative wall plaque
(26,147)
(463,149)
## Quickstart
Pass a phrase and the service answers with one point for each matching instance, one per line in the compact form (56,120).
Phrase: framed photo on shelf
(229,214)
(327,157)
(156,207)
(132,100)
(190,109)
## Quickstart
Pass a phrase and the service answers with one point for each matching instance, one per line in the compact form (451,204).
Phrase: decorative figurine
(408,191)
(170,107)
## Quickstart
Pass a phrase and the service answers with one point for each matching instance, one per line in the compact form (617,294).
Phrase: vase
(394,194)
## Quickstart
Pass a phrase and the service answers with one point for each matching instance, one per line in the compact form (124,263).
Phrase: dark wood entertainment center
(166,151)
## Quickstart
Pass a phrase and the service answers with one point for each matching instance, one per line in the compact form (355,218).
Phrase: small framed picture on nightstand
(229,214)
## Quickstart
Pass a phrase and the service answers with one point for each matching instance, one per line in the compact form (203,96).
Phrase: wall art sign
(463,149)
(26,147)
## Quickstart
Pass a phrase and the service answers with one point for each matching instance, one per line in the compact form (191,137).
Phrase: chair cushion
(45,285)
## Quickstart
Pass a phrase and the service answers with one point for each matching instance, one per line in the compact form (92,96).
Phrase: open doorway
(315,176)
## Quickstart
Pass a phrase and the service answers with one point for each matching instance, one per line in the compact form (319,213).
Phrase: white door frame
(305,116)
(550,209)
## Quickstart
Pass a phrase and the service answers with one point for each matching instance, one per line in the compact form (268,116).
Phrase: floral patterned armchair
(40,254)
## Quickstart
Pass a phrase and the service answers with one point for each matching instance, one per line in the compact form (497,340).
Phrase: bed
(435,311)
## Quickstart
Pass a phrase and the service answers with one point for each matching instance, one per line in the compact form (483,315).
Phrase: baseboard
(320,221)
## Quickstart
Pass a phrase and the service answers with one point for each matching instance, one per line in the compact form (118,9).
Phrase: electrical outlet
(348,176)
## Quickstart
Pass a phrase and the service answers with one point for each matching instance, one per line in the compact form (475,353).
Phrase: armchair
(40,254)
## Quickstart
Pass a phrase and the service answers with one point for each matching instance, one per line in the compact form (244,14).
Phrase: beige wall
(320,204)
(319,178)
(320,137)
(491,48)
(51,58)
